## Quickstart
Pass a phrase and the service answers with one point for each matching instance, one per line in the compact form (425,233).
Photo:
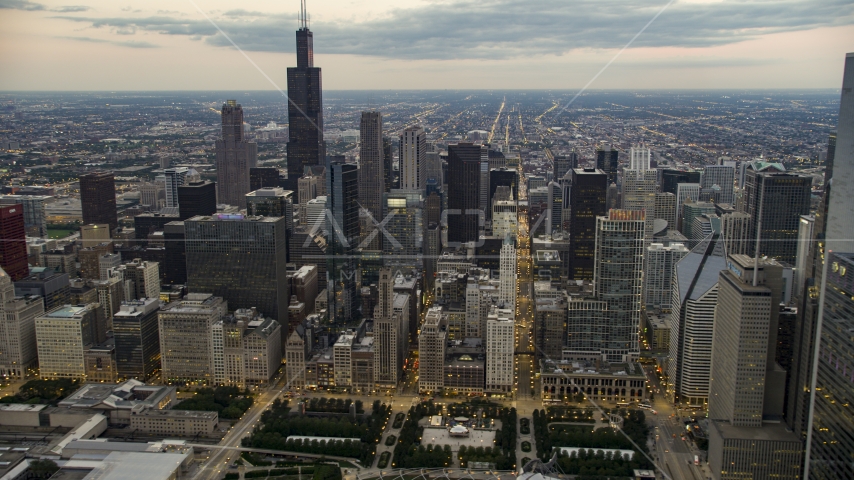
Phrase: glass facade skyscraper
(305,110)
(342,220)
(241,259)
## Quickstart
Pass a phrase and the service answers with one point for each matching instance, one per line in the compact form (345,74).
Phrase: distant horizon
(567,90)
(368,45)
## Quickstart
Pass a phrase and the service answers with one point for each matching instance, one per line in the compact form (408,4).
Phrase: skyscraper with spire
(305,107)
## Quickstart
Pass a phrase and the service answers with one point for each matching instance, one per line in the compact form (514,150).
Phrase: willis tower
(305,108)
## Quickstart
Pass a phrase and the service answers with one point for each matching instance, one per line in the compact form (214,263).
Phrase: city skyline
(163,46)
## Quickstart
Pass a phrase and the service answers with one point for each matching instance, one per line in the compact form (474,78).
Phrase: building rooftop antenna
(303,15)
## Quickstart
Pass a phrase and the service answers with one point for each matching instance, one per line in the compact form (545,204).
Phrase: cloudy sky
(425,44)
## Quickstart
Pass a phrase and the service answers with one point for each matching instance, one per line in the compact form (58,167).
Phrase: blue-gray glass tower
(342,225)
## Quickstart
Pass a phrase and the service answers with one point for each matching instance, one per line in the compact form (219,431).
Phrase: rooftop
(68,311)
(138,466)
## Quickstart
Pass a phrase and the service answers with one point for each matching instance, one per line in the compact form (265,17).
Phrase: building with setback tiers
(746,390)
(242,259)
(432,346)
(18,351)
(305,108)
(413,163)
(234,157)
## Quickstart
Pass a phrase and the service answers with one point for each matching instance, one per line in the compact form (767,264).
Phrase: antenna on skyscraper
(303,15)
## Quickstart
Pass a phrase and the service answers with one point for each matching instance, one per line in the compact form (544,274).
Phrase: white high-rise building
(187,340)
(805,238)
(639,158)
(500,340)
(744,342)
(660,268)
(431,345)
(507,274)
(391,333)
(342,358)
(413,150)
(175,177)
(692,318)
(18,350)
(62,336)
(307,188)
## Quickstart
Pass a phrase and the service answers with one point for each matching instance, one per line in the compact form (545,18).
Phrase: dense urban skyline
(488,273)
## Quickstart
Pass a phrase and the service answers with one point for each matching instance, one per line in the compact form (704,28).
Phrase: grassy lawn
(384,458)
(526,446)
(59,232)
(389,440)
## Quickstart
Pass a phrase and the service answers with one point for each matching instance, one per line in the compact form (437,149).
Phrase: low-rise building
(116,401)
(174,422)
(615,382)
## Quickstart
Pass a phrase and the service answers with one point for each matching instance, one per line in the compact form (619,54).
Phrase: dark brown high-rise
(305,108)
(234,157)
(98,196)
(464,214)
(13,248)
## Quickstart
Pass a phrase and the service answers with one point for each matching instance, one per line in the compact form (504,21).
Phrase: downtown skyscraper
(413,158)
(342,225)
(371,174)
(465,218)
(98,198)
(305,108)
(234,157)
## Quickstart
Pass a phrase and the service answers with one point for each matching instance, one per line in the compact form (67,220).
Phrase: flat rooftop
(67,311)
(768,431)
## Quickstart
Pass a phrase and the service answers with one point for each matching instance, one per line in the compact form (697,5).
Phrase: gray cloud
(497,29)
(129,44)
(21,5)
(71,9)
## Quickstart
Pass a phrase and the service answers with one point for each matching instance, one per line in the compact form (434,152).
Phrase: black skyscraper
(503,176)
(196,198)
(98,197)
(342,201)
(391,178)
(781,198)
(464,192)
(587,201)
(305,109)
(670,180)
(263,177)
(607,160)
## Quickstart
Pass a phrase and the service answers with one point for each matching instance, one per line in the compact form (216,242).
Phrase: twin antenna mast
(304,18)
